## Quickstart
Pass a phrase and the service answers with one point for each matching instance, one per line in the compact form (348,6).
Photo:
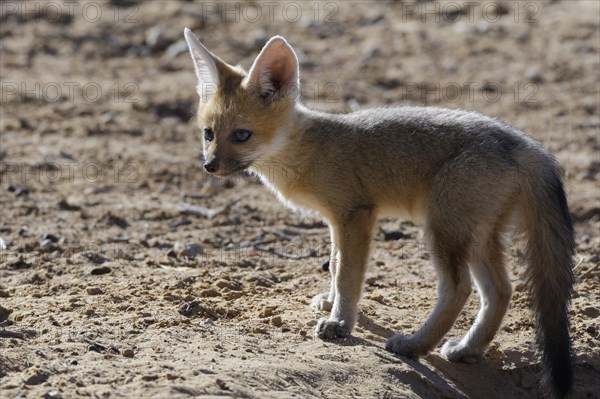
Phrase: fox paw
(455,352)
(321,303)
(331,329)
(404,346)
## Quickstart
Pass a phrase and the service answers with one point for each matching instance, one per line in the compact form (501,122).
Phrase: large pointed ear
(205,64)
(274,74)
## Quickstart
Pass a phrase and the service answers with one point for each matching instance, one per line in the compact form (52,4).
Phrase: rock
(94,348)
(127,352)
(2,244)
(260,38)
(183,222)
(172,254)
(35,376)
(94,291)
(53,395)
(378,298)
(483,27)
(50,237)
(21,192)
(4,313)
(176,48)
(276,321)
(98,271)
(64,205)
(209,292)
(222,384)
(98,347)
(189,251)
(20,264)
(394,235)
(94,257)
(156,39)
(48,245)
(535,75)
(524,34)
(118,221)
(591,312)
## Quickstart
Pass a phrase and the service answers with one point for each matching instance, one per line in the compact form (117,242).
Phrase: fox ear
(205,64)
(274,74)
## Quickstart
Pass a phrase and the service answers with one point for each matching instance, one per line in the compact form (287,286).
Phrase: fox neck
(280,165)
(280,150)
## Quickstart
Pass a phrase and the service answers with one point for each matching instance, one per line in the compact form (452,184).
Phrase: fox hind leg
(450,259)
(493,285)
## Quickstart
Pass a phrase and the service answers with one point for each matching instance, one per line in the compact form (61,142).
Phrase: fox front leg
(324,301)
(352,237)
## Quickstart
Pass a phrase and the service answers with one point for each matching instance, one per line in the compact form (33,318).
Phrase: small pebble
(100,270)
(36,377)
(46,244)
(50,237)
(535,75)
(94,257)
(53,395)
(222,384)
(591,312)
(94,291)
(188,250)
(127,352)
(94,348)
(21,192)
(591,330)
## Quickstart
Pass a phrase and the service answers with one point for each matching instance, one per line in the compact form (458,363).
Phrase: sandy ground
(108,290)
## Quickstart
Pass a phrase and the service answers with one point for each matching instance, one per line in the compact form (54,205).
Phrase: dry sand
(109,291)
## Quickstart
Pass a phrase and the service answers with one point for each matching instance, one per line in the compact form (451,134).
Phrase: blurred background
(107,215)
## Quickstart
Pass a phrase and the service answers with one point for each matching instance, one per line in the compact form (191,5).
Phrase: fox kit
(466,177)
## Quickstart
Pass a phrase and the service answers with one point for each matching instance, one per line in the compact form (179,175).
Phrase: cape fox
(466,177)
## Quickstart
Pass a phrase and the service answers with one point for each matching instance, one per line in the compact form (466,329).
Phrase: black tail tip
(559,378)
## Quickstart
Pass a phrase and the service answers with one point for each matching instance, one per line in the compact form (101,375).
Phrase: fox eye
(208,134)
(241,135)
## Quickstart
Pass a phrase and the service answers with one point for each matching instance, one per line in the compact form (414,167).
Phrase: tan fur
(465,176)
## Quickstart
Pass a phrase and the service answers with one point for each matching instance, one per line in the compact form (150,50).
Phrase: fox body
(466,177)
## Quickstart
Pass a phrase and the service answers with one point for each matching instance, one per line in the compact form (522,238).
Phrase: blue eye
(208,134)
(241,135)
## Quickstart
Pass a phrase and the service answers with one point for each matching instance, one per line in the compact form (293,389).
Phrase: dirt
(109,290)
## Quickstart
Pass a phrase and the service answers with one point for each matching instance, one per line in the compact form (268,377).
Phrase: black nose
(211,167)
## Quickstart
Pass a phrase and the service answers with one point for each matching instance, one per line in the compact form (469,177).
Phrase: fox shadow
(433,376)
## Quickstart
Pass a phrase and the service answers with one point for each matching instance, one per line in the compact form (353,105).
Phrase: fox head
(241,114)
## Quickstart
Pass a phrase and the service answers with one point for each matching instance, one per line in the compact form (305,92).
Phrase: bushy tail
(549,250)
